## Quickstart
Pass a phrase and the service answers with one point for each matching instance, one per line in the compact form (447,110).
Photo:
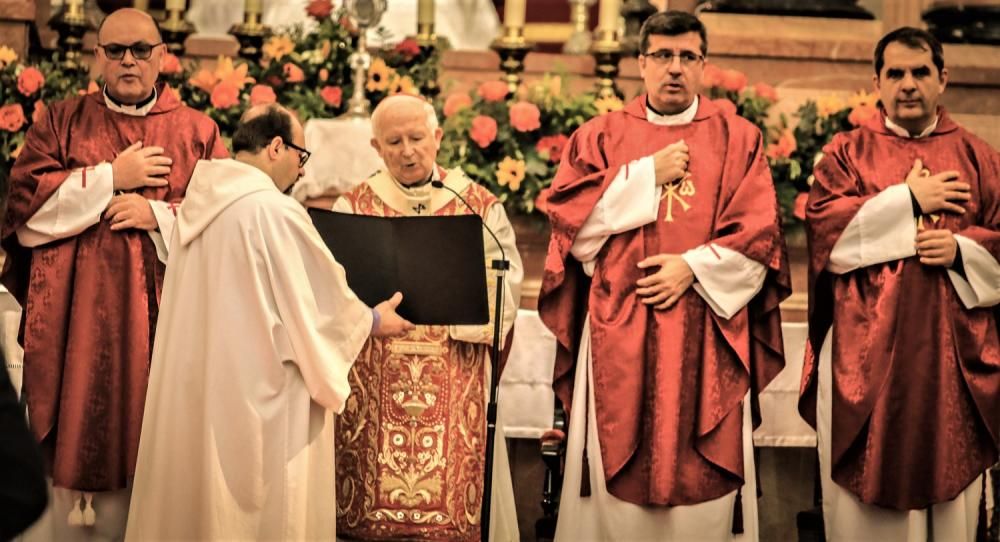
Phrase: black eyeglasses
(666,56)
(303,154)
(140,50)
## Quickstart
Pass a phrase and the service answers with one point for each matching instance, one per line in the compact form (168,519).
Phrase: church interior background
(535,70)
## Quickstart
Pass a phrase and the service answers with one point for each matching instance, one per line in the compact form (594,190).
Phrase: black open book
(437,262)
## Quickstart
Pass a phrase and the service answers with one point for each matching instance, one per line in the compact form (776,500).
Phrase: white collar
(130,110)
(684,117)
(903,132)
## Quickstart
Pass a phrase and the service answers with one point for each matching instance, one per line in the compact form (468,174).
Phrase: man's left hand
(130,211)
(936,247)
(664,287)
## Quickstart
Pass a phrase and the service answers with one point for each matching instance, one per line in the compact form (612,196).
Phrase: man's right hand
(671,163)
(390,323)
(937,192)
(138,167)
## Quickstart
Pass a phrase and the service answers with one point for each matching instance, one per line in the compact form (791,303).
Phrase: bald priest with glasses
(662,284)
(92,203)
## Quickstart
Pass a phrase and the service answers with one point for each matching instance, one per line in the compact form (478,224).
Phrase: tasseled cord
(738,513)
(82,514)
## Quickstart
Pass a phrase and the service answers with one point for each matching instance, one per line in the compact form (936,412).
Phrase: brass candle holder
(71,24)
(251,34)
(428,42)
(579,41)
(175,30)
(607,52)
(512,48)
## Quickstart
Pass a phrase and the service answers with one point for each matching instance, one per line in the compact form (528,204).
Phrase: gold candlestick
(512,48)
(251,33)
(176,28)
(71,24)
(607,52)
(579,42)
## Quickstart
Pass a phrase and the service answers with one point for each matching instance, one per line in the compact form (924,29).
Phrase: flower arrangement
(512,143)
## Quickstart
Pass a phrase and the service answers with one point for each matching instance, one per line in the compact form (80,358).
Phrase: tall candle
(513,13)
(252,6)
(425,12)
(141,4)
(608,16)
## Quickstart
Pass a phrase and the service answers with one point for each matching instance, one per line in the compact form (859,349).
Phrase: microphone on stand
(501,266)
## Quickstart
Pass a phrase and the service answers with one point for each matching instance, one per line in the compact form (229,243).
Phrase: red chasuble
(916,375)
(411,442)
(668,384)
(91,300)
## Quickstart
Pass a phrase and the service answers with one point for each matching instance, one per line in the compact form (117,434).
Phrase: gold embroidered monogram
(677,190)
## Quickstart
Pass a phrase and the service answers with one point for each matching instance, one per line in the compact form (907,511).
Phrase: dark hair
(913,38)
(256,133)
(671,23)
(152,19)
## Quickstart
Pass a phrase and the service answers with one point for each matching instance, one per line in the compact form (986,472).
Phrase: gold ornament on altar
(366,14)
(677,191)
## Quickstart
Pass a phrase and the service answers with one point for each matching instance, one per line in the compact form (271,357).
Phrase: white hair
(403,99)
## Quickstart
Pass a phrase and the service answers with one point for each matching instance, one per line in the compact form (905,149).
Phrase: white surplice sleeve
(165,214)
(631,201)
(496,219)
(324,325)
(883,230)
(726,279)
(981,285)
(75,206)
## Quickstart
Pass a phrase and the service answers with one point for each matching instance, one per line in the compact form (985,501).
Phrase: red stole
(667,384)
(916,376)
(92,299)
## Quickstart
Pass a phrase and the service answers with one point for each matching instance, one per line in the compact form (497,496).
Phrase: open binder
(437,262)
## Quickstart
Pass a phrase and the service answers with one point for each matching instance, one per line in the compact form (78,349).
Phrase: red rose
(171,65)
(319,9)
(493,91)
(293,73)
(525,117)
(456,102)
(552,147)
(225,95)
(408,48)
(331,95)
(30,80)
(483,130)
(262,94)
(733,80)
(11,117)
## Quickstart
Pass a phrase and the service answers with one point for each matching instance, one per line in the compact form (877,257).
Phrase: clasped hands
(942,192)
(136,167)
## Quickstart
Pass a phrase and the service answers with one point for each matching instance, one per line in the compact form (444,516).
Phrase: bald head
(128,18)
(270,138)
(407,137)
(129,53)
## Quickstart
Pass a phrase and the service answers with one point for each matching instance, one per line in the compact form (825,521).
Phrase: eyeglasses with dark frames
(303,153)
(140,50)
(666,56)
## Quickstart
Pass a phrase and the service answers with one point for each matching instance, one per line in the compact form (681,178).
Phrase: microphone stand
(501,267)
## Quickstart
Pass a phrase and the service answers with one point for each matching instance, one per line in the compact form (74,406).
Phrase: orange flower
(456,102)
(862,98)
(30,80)
(483,130)
(171,64)
(608,104)
(551,147)
(277,47)
(332,95)
(733,80)
(293,73)
(493,91)
(510,173)
(711,76)
(262,94)
(784,147)
(225,95)
(38,112)
(11,117)
(319,9)
(204,79)
(236,76)
(323,75)
(7,56)
(404,85)
(525,117)
(765,91)
(379,76)
(829,105)
(726,105)
(861,114)
(799,209)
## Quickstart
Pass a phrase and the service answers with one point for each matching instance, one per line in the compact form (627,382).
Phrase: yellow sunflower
(608,104)
(379,76)
(828,105)
(404,85)
(7,56)
(510,173)
(277,47)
